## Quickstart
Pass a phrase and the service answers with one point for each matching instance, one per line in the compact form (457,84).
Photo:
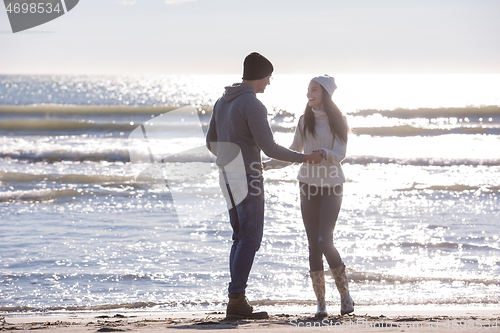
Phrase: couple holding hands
(240,118)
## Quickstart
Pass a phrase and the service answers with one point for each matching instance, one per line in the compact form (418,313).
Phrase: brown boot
(238,308)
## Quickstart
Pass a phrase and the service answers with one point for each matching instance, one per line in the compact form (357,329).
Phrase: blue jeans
(247,220)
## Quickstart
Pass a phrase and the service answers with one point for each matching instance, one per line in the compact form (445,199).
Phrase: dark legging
(320,208)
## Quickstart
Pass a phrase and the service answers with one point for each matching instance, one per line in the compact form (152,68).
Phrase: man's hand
(323,154)
(314,158)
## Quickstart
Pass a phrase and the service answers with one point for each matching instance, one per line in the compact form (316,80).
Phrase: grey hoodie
(240,118)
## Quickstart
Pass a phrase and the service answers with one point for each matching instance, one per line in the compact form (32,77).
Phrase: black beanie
(256,67)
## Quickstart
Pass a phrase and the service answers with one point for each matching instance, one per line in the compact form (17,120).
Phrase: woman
(322,127)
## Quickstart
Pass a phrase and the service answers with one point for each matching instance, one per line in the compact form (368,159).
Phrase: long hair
(338,127)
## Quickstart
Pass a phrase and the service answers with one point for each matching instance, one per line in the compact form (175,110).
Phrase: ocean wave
(59,127)
(429,301)
(365,160)
(441,245)
(404,130)
(378,281)
(38,126)
(482,111)
(127,190)
(360,277)
(122,155)
(407,130)
(71,178)
(117,155)
(68,110)
(455,187)
(201,304)
(125,306)
(32,120)
(354,275)
(37,195)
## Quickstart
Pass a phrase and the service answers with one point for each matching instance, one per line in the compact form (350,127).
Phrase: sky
(300,37)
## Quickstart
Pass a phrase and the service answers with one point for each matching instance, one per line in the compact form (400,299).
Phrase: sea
(419,223)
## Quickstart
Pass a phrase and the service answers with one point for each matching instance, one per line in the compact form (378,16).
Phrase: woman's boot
(318,281)
(346,303)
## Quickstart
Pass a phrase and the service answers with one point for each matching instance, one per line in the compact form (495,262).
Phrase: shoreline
(407,318)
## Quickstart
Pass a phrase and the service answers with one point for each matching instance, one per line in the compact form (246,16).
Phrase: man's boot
(238,308)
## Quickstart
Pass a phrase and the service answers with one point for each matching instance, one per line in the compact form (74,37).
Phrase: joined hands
(316,157)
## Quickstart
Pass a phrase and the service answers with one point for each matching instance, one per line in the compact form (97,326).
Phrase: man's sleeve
(263,136)
(297,145)
(211,132)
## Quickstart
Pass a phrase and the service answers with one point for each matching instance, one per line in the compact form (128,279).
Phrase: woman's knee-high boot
(346,302)
(318,282)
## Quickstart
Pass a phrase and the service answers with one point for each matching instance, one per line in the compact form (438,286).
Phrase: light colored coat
(327,173)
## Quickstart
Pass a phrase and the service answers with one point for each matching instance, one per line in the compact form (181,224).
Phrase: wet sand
(366,319)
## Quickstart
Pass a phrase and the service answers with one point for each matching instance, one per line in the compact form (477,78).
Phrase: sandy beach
(365,319)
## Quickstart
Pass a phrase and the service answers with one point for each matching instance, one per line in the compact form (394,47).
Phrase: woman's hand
(314,158)
(323,153)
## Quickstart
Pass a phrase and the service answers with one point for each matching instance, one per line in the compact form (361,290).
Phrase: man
(240,119)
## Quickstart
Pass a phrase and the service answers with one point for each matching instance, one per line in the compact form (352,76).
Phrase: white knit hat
(326,82)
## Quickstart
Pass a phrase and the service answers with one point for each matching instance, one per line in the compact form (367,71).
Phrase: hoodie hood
(236,90)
